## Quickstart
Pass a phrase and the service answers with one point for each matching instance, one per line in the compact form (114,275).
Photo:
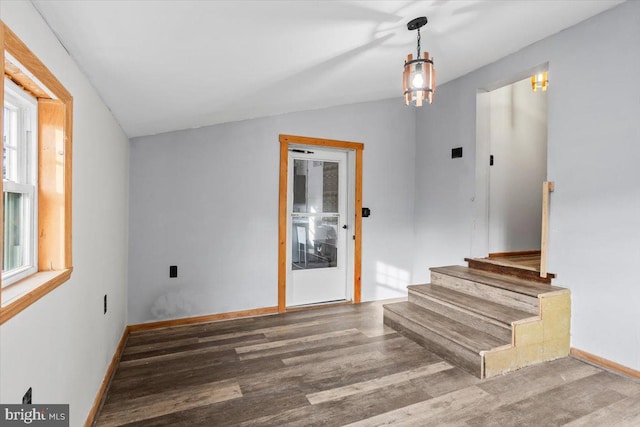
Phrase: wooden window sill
(20,295)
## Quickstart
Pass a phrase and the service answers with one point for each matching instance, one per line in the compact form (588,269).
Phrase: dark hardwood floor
(341,366)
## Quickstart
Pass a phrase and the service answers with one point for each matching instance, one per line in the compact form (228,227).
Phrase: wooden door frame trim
(285,141)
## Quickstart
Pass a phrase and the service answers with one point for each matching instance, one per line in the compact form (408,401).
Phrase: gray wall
(593,157)
(62,345)
(207,200)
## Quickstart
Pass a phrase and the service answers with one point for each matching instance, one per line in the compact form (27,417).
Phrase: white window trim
(27,107)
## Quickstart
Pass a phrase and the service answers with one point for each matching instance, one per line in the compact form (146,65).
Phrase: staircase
(487,321)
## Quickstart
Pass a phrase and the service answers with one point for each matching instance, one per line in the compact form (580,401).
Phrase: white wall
(61,345)
(207,200)
(518,140)
(593,155)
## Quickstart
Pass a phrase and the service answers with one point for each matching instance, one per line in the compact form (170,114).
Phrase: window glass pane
(314,242)
(10,145)
(19,170)
(315,186)
(13,223)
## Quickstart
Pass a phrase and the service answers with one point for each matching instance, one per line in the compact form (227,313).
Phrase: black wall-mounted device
(366,212)
(456,152)
(173,271)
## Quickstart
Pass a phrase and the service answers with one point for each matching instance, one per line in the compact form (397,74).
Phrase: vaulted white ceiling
(169,65)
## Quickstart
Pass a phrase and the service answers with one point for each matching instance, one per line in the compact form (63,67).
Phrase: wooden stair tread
(506,266)
(521,286)
(463,335)
(504,263)
(492,310)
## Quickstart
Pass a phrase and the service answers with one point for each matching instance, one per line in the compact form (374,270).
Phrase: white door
(317,226)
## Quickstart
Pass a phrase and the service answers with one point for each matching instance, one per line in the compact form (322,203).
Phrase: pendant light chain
(418,44)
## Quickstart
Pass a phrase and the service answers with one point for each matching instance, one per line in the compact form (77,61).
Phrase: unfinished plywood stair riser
(485,322)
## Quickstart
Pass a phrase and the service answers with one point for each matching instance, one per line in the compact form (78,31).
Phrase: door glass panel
(314,242)
(315,186)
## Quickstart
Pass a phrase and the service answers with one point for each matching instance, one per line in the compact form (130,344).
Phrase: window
(37,124)
(19,178)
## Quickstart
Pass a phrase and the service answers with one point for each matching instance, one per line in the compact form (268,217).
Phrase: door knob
(345,226)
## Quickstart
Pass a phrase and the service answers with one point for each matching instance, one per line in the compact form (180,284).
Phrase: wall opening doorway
(320,221)
(511,165)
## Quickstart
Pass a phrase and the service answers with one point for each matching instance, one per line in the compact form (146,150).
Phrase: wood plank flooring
(341,366)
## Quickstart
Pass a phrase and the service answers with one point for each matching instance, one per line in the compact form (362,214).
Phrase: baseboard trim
(117,355)
(203,319)
(605,364)
(115,360)
(317,306)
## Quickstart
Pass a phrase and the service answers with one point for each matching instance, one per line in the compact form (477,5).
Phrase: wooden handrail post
(547,188)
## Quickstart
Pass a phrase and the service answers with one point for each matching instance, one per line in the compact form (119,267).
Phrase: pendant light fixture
(419,76)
